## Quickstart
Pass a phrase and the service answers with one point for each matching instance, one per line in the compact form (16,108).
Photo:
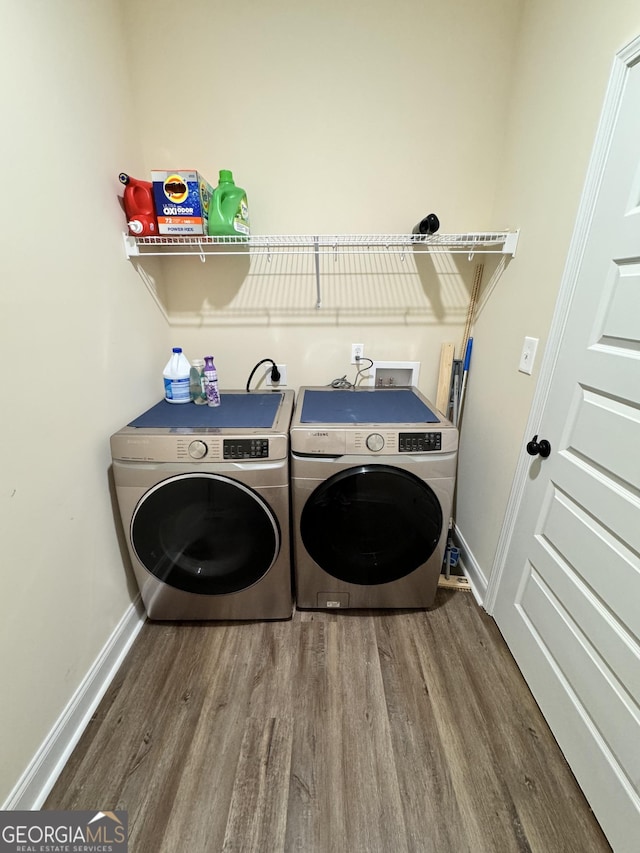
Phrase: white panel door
(568,596)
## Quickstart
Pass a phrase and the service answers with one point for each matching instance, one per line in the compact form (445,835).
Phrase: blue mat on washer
(236,411)
(395,406)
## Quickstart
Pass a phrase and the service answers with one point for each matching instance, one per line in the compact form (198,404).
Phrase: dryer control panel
(334,441)
(419,442)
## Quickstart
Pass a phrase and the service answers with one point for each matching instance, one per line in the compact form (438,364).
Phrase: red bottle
(139,206)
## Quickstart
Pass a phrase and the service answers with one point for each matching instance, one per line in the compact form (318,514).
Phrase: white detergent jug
(176,378)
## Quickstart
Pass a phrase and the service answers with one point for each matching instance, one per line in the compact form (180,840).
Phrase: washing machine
(372,480)
(203,494)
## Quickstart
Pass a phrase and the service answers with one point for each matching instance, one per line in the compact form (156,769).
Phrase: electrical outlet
(528,355)
(357,352)
(283,375)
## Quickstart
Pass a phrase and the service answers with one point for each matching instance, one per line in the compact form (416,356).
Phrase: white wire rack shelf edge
(489,242)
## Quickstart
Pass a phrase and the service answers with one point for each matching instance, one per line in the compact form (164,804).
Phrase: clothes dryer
(203,494)
(372,477)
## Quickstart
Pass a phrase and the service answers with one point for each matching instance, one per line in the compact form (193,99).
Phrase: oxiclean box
(182,201)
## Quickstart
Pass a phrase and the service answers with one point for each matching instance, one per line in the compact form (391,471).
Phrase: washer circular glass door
(205,533)
(371,524)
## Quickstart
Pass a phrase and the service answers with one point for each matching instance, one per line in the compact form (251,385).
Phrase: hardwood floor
(362,731)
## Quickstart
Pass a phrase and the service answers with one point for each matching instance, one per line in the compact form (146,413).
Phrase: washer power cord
(343,382)
(275,373)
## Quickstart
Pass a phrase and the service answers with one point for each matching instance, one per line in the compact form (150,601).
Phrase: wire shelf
(491,242)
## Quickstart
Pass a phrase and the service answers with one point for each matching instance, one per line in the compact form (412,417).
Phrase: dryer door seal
(205,533)
(371,524)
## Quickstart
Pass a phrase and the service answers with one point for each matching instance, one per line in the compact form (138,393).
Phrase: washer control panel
(245,448)
(419,442)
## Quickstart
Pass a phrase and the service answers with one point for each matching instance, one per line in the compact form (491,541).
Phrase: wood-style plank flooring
(353,732)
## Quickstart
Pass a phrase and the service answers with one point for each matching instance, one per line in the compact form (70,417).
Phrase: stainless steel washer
(203,495)
(372,478)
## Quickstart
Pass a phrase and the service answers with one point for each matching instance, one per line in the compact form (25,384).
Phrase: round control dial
(375,441)
(198,449)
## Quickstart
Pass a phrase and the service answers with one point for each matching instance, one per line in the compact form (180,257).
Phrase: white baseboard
(38,779)
(471,567)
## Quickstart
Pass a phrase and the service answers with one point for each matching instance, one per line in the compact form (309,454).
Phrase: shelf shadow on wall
(382,287)
(441,274)
(215,282)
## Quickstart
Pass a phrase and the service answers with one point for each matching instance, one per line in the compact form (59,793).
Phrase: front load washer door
(371,524)
(205,533)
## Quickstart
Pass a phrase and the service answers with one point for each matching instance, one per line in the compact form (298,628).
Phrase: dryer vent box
(394,374)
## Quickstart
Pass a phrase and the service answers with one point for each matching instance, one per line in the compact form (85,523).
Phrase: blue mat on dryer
(385,406)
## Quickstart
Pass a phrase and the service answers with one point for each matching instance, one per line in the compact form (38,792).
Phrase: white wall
(81,343)
(339,117)
(564,57)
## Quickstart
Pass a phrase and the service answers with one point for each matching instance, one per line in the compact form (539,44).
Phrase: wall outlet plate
(528,355)
(357,352)
(283,375)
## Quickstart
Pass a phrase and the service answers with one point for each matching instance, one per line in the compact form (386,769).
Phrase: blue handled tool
(465,372)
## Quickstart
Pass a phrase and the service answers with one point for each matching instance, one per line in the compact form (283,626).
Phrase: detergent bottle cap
(226,175)
(177,349)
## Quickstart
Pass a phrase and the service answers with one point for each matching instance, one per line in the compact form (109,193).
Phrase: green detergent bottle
(228,209)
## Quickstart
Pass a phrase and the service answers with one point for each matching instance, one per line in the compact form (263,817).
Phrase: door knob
(535,447)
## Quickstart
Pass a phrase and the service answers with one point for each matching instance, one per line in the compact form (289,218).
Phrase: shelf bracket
(130,246)
(511,243)
(316,252)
